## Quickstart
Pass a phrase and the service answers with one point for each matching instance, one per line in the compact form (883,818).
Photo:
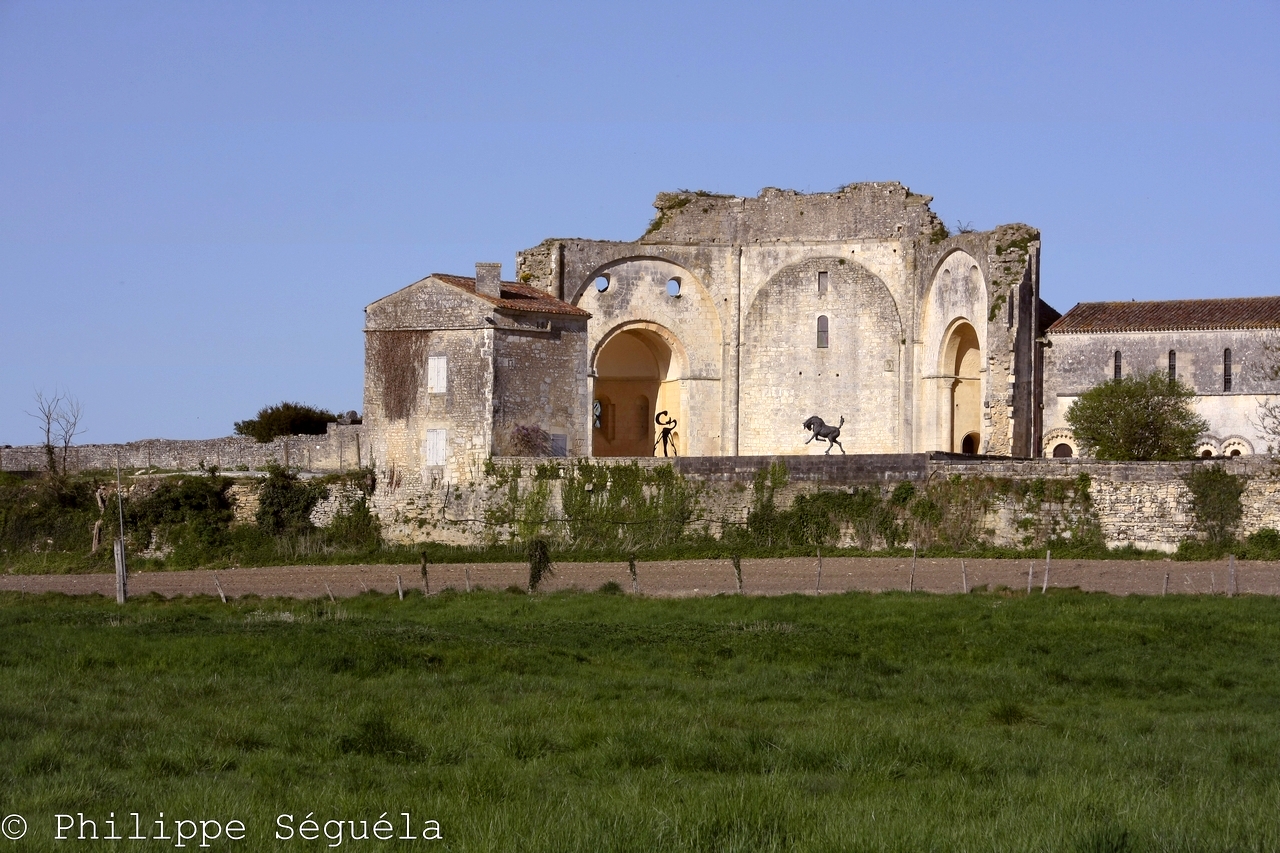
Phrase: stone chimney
(487,278)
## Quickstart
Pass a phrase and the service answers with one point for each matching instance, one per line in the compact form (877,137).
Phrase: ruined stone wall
(342,448)
(865,210)
(854,375)
(1076,362)
(746,254)
(1016,503)
(540,379)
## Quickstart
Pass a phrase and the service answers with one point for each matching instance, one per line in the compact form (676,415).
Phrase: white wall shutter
(435,451)
(437,374)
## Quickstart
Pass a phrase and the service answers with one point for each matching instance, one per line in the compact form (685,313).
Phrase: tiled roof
(1256,312)
(516,297)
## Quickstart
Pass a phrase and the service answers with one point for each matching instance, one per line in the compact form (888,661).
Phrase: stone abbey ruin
(713,336)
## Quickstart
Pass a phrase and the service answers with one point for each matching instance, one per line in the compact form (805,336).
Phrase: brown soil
(688,577)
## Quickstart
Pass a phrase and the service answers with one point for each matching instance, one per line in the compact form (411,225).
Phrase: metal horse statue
(668,433)
(822,432)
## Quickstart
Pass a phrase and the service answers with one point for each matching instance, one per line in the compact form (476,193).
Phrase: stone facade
(930,338)
(1229,388)
(452,364)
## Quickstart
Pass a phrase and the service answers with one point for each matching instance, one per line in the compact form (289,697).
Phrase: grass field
(596,722)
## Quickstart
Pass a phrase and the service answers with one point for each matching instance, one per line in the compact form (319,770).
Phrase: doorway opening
(635,380)
(962,359)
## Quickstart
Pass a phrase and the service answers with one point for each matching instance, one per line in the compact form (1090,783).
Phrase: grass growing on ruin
(599,722)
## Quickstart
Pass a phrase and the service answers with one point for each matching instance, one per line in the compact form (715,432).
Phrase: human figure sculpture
(822,432)
(667,437)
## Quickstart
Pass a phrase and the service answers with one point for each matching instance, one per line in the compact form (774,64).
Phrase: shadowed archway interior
(962,359)
(633,383)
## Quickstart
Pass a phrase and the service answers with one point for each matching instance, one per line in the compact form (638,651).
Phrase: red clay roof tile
(515,296)
(1254,312)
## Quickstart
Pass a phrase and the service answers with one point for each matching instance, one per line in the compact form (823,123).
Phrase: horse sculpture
(822,432)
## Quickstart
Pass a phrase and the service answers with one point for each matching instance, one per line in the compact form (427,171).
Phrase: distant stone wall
(341,449)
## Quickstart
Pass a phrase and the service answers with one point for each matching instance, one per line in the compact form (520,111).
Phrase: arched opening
(635,379)
(1062,451)
(1206,454)
(970,444)
(962,359)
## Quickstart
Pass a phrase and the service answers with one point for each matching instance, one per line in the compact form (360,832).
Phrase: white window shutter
(435,451)
(437,374)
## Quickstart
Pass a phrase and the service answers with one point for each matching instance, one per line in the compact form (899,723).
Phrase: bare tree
(46,414)
(59,417)
(67,425)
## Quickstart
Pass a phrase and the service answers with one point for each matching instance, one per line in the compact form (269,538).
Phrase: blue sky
(197,200)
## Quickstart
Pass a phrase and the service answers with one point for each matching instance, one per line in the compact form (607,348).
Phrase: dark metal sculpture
(822,432)
(667,437)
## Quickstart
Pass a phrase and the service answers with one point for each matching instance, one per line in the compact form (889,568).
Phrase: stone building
(452,363)
(738,318)
(1219,347)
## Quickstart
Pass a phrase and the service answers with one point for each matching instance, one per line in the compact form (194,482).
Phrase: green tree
(1137,418)
(286,419)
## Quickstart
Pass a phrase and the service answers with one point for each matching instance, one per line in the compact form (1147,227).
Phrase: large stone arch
(956,294)
(636,301)
(637,370)
(786,376)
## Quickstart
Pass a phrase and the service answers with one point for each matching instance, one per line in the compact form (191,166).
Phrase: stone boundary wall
(1145,504)
(342,448)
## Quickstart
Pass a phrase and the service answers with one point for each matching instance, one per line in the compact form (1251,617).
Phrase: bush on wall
(286,419)
(1215,504)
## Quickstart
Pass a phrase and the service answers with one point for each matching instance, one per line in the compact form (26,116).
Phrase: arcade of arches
(634,380)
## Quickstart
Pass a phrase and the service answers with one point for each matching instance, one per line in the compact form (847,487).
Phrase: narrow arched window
(1173,366)
(822,331)
(1226,370)
(1117,364)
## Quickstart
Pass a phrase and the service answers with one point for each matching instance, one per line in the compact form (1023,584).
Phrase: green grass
(592,722)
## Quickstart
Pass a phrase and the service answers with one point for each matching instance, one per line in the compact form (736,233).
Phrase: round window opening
(602,283)
(673,287)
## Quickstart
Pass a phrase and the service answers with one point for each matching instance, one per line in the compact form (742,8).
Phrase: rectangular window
(434,449)
(822,283)
(437,374)
(1117,364)
(559,444)
(1226,370)
(1173,366)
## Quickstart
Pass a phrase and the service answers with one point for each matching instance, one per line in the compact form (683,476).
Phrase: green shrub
(192,515)
(285,502)
(1215,503)
(1263,545)
(356,528)
(286,419)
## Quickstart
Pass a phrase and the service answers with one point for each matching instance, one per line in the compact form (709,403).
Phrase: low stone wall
(340,449)
(1022,503)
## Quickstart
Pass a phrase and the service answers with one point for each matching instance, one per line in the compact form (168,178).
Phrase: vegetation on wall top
(286,419)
